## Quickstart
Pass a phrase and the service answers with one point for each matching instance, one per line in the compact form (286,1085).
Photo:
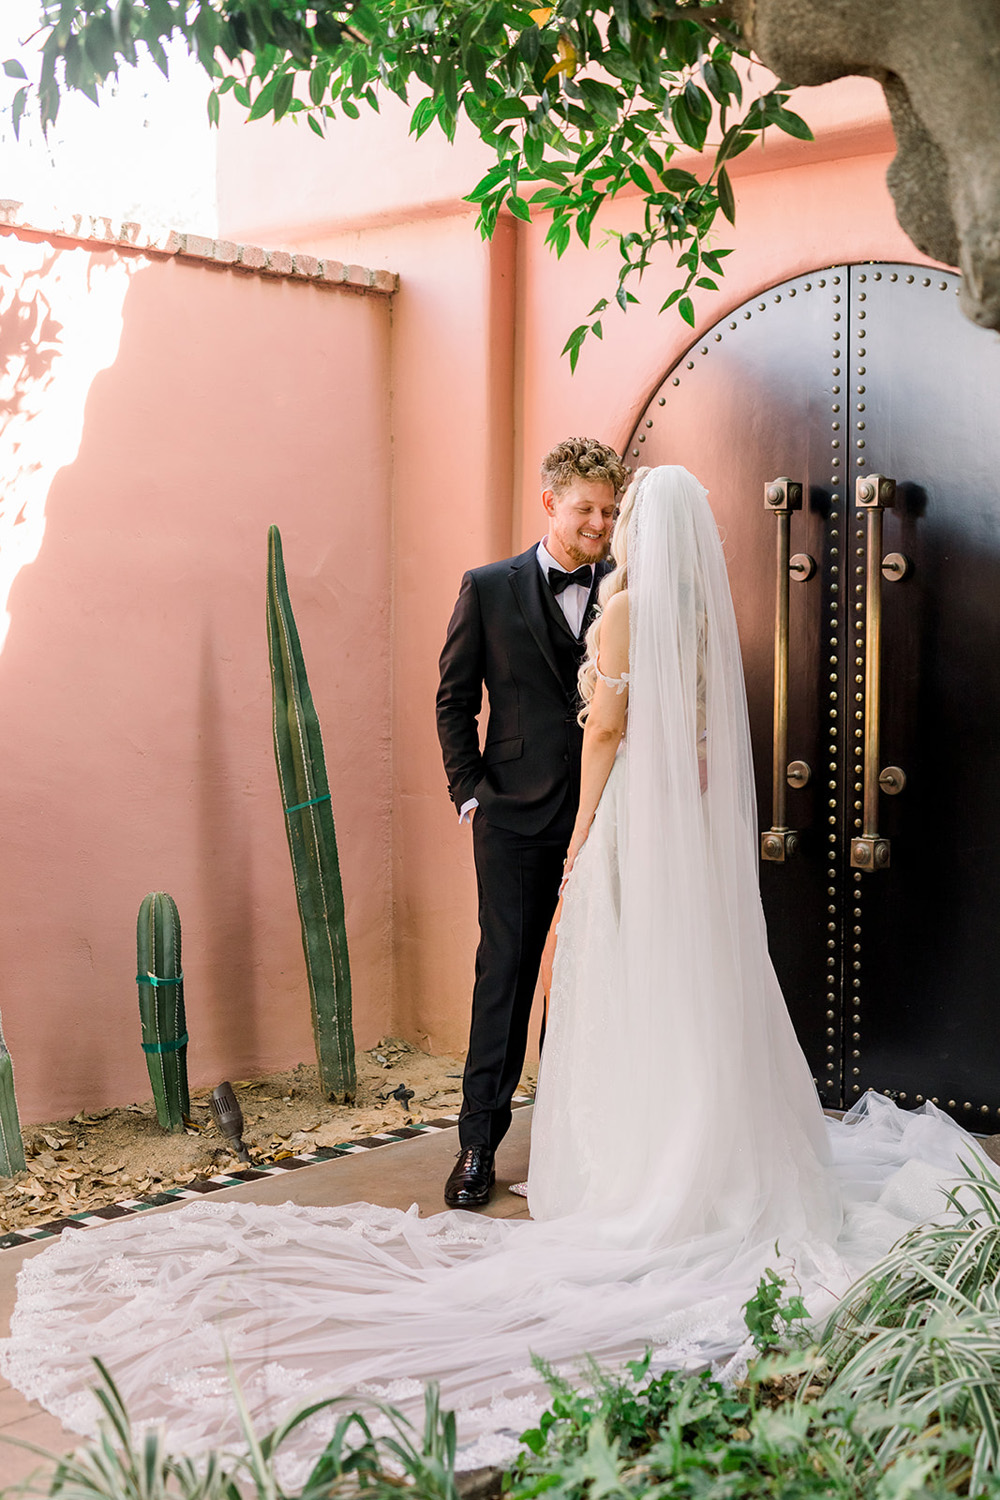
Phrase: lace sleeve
(618,683)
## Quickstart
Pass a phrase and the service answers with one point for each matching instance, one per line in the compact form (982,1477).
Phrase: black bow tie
(558,580)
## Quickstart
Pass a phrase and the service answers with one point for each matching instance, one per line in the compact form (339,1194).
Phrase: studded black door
(892,975)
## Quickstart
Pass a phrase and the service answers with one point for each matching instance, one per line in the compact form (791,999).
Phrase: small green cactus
(312,837)
(11,1144)
(161,1007)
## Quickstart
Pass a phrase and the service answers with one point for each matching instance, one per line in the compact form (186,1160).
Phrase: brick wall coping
(97,230)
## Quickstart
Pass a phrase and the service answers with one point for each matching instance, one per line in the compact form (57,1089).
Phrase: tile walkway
(407,1167)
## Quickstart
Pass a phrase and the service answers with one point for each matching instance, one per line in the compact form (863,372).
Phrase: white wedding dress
(678,1147)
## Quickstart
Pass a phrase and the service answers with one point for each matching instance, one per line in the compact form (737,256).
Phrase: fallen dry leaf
(103,1157)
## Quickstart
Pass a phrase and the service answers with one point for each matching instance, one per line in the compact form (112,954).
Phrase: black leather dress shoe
(471,1178)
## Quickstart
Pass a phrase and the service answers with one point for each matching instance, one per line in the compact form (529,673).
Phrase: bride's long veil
(699,998)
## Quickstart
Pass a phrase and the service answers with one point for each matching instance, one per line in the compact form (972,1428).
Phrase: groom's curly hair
(583,458)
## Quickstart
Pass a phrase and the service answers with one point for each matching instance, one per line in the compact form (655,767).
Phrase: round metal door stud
(896,567)
(801,566)
(892,780)
(798,773)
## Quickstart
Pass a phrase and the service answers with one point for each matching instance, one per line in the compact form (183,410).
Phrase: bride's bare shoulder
(614,615)
(614,639)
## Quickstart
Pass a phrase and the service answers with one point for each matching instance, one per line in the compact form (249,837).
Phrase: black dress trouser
(518,877)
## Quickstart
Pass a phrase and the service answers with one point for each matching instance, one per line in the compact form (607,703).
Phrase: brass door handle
(873,494)
(779,842)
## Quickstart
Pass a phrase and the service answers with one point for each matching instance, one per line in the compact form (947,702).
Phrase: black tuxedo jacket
(509,635)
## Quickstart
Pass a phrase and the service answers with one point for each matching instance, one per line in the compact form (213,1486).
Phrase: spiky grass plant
(914,1350)
(120,1465)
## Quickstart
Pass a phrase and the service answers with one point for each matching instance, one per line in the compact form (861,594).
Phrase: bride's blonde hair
(613,584)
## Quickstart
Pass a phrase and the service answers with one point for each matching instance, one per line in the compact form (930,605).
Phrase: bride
(652,1220)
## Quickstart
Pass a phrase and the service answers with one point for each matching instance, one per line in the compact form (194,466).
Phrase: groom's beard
(580,557)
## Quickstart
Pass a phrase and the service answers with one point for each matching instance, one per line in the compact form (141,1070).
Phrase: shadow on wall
(225,865)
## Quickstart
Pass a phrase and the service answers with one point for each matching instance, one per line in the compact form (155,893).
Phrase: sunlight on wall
(60,323)
(146,152)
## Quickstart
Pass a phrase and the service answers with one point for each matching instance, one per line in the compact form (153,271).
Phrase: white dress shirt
(573,602)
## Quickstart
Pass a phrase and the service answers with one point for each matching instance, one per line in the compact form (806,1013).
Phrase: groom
(518,630)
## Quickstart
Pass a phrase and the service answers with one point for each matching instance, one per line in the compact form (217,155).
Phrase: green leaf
(714,83)
(686,309)
(735,142)
(319,82)
(534,152)
(213,108)
(574,343)
(640,177)
(13,68)
(558,237)
(793,124)
(519,208)
(691,131)
(359,72)
(679,181)
(697,101)
(729,78)
(711,259)
(601,97)
(264,101)
(17,108)
(422,117)
(511,109)
(475,67)
(315,126)
(283,94)
(727,201)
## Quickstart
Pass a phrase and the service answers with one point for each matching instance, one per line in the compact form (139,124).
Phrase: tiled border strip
(94,229)
(204,1185)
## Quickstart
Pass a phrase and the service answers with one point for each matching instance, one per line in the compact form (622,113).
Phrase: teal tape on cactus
(312,837)
(11,1144)
(161,1007)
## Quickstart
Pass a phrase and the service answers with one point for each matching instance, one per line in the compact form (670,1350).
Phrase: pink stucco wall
(135,734)
(480,392)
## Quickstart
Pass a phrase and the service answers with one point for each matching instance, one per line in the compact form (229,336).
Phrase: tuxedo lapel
(526,581)
(540,610)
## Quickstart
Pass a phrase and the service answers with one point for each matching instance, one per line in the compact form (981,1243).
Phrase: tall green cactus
(161,1007)
(312,837)
(11,1144)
